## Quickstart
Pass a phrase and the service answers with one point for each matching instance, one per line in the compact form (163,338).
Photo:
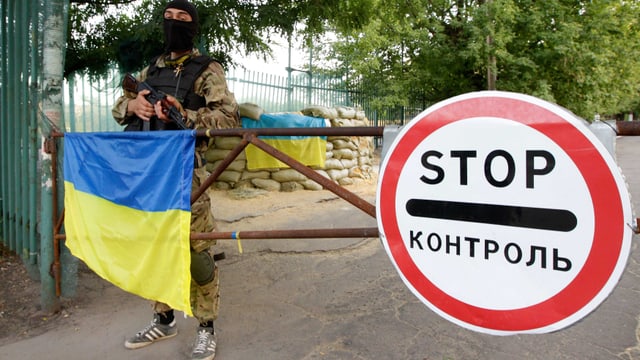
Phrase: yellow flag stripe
(309,151)
(145,253)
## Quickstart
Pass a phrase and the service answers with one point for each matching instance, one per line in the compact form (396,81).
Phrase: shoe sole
(139,345)
(208,358)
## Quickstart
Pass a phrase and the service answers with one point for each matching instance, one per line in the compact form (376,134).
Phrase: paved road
(340,299)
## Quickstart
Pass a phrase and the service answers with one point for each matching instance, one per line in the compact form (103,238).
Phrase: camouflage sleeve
(119,109)
(221,110)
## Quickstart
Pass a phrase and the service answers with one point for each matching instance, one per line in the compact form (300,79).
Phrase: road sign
(503,213)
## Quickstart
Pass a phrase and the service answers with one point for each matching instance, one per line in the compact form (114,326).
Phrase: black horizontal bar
(518,216)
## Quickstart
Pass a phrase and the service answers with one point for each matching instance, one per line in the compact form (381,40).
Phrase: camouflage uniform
(221,111)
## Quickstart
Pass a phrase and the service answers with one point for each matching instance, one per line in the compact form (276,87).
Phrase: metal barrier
(249,136)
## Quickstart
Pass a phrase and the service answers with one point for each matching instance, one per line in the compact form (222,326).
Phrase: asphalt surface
(339,299)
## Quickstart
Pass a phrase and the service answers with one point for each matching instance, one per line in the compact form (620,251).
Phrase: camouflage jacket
(220,111)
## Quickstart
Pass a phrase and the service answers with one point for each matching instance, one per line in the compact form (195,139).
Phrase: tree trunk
(491,67)
(55,28)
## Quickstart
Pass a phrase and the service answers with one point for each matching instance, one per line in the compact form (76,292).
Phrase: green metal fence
(288,93)
(20,54)
(89,100)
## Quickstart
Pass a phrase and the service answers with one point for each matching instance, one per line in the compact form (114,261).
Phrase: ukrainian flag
(309,150)
(128,210)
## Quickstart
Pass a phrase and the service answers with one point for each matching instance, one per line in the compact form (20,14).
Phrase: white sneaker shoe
(152,333)
(205,345)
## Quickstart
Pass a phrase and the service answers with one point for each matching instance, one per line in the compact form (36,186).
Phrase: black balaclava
(179,35)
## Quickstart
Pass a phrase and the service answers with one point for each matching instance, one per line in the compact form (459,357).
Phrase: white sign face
(504,213)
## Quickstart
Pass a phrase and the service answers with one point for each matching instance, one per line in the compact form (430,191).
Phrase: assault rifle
(130,83)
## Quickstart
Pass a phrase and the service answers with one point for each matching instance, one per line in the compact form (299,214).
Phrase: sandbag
(345,154)
(266,184)
(230,176)
(287,175)
(311,185)
(226,142)
(333,164)
(291,186)
(346,112)
(212,154)
(248,175)
(250,110)
(336,174)
(320,111)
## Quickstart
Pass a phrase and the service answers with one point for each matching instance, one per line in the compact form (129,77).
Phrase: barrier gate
(249,136)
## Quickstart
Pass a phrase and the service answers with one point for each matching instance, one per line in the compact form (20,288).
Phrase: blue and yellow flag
(309,150)
(128,210)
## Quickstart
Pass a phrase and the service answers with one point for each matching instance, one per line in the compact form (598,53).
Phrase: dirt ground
(20,313)
(17,306)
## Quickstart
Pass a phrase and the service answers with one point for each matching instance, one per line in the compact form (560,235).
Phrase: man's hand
(161,107)
(140,106)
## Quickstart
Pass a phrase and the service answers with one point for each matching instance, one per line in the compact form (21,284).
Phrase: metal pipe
(628,128)
(370,232)
(55,266)
(328,131)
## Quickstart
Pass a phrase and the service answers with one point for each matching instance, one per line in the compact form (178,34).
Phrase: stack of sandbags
(217,152)
(348,159)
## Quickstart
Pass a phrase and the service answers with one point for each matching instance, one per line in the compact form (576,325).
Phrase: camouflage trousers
(205,299)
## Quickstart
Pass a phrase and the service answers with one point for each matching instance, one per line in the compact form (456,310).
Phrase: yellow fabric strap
(236,235)
(177,61)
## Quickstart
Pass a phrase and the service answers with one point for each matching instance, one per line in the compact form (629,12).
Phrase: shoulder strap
(197,66)
(152,64)
(203,61)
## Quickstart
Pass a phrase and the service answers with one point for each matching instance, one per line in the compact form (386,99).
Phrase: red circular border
(608,212)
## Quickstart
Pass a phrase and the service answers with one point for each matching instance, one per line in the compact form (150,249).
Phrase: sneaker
(205,346)
(152,333)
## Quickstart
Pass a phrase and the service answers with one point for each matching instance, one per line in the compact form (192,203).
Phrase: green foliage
(574,54)
(128,32)
(101,34)
(582,55)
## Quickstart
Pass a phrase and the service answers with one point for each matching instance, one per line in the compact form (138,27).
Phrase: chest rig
(176,79)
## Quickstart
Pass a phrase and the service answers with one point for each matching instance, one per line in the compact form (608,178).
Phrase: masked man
(197,87)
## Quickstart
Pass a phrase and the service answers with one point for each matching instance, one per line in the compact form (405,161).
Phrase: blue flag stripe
(141,170)
(285,120)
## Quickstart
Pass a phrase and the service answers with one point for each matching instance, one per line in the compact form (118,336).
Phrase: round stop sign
(503,213)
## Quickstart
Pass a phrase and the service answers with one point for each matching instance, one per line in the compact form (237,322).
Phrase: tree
(583,55)
(128,32)
(53,49)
